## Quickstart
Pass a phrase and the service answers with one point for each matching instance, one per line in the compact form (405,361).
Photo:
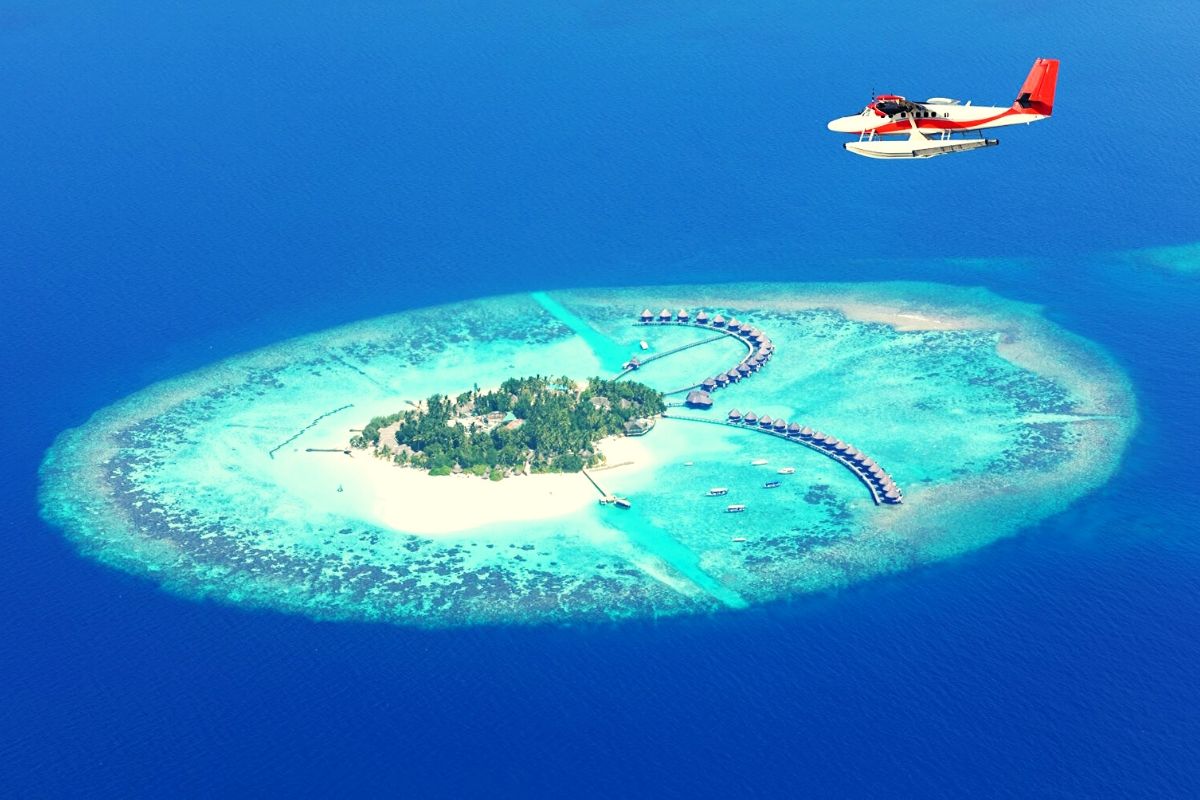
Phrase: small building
(733,325)
(638,427)
(698,399)
(750,418)
(646,317)
(718,321)
(683,315)
(806,432)
(734,376)
(842,447)
(722,379)
(601,403)
(735,415)
(744,369)
(664,315)
(708,384)
(765,421)
(780,426)
(793,429)
(702,318)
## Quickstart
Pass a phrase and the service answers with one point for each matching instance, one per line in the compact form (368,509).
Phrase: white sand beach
(412,501)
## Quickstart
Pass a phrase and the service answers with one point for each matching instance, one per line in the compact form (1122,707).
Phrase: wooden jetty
(883,489)
(759,348)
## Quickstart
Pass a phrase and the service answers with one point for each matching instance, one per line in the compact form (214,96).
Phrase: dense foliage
(551,425)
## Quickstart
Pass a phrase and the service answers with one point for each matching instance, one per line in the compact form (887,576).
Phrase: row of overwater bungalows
(761,347)
(883,486)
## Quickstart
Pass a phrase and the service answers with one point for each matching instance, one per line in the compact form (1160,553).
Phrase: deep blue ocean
(182,182)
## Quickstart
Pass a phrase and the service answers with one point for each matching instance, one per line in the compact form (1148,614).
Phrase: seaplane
(892,126)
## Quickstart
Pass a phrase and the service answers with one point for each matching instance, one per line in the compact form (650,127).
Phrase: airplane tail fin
(1037,92)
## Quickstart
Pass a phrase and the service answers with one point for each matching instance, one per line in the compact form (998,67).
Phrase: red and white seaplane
(941,125)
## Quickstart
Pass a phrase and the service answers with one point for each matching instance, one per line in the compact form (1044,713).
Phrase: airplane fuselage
(932,118)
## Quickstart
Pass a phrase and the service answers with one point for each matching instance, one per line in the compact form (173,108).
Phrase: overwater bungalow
(793,429)
(842,447)
(722,379)
(806,432)
(750,418)
(708,384)
(891,496)
(765,421)
(780,426)
(646,317)
(734,376)
(735,415)
(683,315)
(702,318)
(733,325)
(718,321)
(743,369)
(664,315)
(698,399)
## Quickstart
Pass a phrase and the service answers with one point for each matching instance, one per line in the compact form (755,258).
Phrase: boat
(736,508)
(771,485)
(788,471)
(688,463)
(758,462)
(738,539)
(622,502)
(717,491)
(644,345)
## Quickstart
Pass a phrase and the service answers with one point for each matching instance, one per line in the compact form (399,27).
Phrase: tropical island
(529,425)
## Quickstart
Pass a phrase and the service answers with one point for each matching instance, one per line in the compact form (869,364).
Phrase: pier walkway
(760,349)
(883,489)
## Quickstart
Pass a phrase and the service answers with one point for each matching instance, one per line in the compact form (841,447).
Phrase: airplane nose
(845,125)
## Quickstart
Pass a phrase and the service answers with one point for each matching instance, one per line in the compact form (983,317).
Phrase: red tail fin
(1037,92)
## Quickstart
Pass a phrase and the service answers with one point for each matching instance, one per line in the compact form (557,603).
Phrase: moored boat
(758,462)
(771,485)
(736,508)
(717,491)
(787,471)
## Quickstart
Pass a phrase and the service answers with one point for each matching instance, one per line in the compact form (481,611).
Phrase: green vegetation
(543,424)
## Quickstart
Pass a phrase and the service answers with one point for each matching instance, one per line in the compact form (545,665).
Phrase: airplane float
(940,125)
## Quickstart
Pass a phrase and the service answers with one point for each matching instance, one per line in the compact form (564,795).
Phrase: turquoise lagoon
(989,416)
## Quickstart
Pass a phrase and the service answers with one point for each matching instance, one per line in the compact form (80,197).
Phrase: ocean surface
(186,184)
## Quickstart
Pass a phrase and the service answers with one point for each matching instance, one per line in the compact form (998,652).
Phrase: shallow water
(989,423)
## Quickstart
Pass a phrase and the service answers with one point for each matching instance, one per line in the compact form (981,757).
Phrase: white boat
(758,462)
(717,491)
(644,345)
(688,463)
(788,471)
(736,508)
(738,539)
